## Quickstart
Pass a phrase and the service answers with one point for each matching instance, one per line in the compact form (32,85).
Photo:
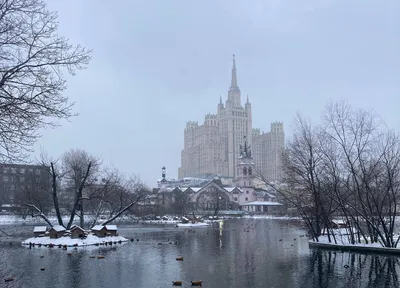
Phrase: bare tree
(302,162)
(33,57)
(79,171)
(129,194)
(348,166)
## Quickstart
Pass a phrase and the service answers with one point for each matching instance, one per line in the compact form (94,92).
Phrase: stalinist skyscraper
(214,147)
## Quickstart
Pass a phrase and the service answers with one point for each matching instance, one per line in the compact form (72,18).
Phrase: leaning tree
(33,59)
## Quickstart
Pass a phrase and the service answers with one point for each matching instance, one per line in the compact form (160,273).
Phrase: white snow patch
(97,227)
(66,240)
(111,227)
(58,228)
(39,229)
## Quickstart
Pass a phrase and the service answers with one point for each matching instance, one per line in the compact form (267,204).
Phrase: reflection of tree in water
(337,269)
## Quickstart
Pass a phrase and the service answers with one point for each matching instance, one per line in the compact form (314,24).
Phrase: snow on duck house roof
(58,228)
(39,229)
(74,227)
(111,227)
(97,227)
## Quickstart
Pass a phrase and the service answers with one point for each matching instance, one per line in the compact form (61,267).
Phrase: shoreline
(354,248)
(91,240)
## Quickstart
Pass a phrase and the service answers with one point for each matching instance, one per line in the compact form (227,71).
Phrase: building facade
(213,195)
(24,183)
(214,147)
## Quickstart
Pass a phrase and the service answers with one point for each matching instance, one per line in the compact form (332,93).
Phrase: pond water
(237,253)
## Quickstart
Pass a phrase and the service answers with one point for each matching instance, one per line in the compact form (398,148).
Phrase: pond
(237,253)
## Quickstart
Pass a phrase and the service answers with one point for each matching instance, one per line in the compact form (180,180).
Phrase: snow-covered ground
(68,241)
(343,241)
(182,225)
(264,216)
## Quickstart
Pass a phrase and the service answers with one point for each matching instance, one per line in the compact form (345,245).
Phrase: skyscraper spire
(234,77)
(220,99)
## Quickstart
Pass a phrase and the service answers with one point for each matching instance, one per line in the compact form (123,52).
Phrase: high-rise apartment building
(214,147)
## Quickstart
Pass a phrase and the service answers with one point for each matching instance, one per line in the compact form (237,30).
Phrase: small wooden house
(56,231)
(111,230)
(39,231)
(99,231)
(77,232)
(103,231)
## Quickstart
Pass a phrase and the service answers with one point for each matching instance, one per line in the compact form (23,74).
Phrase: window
(12,187)
(5,178)
(246,199)
(247,191)
(37,172)
(235,198)
(22,170)
(22,178)
(30,170)
(13,170)
(5,170)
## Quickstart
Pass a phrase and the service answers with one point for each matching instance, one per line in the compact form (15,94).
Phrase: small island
(75,237)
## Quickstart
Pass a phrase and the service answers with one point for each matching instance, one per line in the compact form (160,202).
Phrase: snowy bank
(72,242)
(264,216)
(344,244)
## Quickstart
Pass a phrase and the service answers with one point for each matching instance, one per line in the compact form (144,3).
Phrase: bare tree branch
(33,59)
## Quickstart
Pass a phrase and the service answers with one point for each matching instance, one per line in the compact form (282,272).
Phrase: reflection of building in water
(213,194)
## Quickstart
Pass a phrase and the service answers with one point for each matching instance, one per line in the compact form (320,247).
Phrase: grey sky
(158,64)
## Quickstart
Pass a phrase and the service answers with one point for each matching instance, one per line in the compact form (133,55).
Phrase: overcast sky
(158,64)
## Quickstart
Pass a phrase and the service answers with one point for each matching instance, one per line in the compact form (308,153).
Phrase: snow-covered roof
(39,229)
(58,228)
(74,227)
(97,227)
(111,227)
(262,203)
(230,189)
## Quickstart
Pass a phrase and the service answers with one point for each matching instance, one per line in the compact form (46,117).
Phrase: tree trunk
(120,212)
(41,215)
(55,196)
(78,197)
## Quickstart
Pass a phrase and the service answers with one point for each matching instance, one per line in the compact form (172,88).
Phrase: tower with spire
(216,146)
(234,90)
(245,168)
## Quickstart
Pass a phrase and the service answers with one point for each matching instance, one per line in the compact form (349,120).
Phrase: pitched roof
(111,227)
(58,228)
(39,229)
(97,227)
(76,227)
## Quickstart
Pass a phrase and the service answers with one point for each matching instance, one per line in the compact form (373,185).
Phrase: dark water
(243,253)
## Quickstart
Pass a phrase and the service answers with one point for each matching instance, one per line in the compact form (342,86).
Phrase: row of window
(7,178)
(236,199)
(20,170)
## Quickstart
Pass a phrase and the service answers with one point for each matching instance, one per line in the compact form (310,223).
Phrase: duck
(196,283)
(177,283)
(100,257)
(180,258)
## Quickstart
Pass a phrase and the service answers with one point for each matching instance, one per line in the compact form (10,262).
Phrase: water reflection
(333,269)
(242,253)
